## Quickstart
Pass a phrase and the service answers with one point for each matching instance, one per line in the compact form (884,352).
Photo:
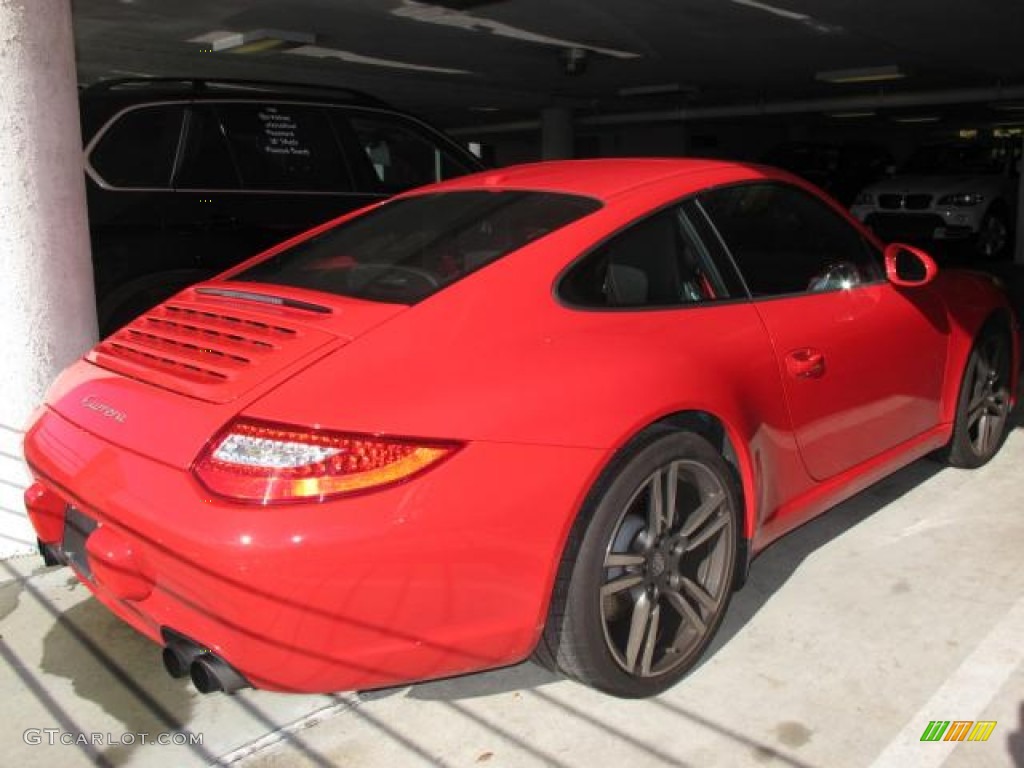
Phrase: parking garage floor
(903,606)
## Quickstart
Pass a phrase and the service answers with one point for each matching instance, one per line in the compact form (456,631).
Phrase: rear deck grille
(208,349)
(216,321)
(167,364)
(196,344)
(185,347)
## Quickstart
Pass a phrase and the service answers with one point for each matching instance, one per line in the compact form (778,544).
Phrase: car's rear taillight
(267,463)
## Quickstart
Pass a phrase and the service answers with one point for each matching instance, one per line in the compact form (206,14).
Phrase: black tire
(983,405)
(993,239)
(640,593)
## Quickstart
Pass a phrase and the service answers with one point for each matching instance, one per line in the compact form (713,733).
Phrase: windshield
(408,249)
(950,159)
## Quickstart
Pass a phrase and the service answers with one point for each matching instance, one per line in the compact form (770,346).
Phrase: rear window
(407,250)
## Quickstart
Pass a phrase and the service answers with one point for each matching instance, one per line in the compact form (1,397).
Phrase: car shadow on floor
(116,683)
(769,572)
(773,567)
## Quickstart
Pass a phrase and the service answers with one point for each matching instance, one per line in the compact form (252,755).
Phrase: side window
(399,155)
(786,241)
(657,262)
(138,149)
(206,161)
(284,147)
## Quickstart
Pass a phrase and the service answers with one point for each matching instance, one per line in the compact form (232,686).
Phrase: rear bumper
(446,574)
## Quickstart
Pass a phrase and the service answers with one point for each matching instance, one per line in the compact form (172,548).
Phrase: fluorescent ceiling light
(802,18)
(1008,106)
(301,44)
(775,11)
(208,38)
(261,40)
(441,16)
(316,52)
(917,119)
(461,4)
(851,115)
(861,75)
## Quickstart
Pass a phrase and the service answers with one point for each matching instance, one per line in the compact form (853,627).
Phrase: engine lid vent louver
(205,353)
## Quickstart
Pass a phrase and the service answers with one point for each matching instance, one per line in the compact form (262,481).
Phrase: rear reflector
(46,511)
(265,463)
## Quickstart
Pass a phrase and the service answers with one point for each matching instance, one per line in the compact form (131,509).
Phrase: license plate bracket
(77,528)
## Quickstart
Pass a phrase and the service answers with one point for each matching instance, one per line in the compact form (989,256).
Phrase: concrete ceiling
(466,62)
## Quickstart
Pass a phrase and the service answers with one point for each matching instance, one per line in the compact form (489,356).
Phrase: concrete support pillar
(556,133)
(47,314)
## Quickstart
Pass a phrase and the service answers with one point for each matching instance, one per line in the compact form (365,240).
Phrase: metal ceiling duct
(880,100)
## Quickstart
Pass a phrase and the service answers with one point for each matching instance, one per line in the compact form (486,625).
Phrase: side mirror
(908,267)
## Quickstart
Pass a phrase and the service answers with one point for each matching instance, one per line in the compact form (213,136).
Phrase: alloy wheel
(989,402)
(667,569)
(993,237)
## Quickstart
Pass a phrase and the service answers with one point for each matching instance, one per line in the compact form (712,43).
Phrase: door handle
(806,363)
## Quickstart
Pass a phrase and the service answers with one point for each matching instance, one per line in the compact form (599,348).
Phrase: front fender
(973,300)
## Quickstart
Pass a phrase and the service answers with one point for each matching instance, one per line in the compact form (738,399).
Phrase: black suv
(188,177)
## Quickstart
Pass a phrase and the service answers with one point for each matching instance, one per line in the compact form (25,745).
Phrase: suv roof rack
(203,86)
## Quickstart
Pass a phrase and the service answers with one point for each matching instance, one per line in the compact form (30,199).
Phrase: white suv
(958,191)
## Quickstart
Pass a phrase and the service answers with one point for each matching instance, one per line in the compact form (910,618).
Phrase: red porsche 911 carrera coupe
(553,409)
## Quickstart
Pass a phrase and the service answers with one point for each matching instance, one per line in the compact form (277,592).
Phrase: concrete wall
(47,314)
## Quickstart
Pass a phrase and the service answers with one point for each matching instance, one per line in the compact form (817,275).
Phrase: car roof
(105,98)
(604,178)
(144,88)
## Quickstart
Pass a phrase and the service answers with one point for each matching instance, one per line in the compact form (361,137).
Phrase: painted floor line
(963,696)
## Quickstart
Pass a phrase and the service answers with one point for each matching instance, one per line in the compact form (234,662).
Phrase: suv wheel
(126,302)
(993,235)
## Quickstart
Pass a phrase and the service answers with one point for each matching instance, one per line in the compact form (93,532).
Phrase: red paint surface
(452,570)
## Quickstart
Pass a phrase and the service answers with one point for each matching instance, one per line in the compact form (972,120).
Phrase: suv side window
(205,162)
(138,150)
(657,262)
(785,241)
(400,156)
(284,147)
